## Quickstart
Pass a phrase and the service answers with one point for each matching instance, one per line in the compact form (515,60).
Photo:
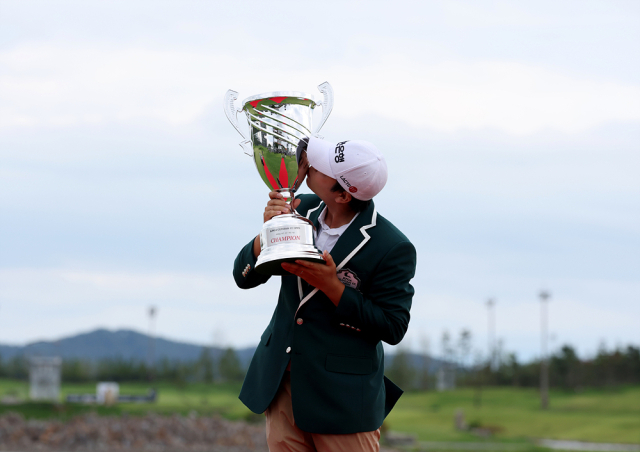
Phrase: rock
(459,421)
(150,433)
(399,439)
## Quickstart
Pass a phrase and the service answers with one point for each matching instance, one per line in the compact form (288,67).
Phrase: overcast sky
(511,131)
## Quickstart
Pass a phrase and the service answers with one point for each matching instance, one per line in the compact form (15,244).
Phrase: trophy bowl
(277,122)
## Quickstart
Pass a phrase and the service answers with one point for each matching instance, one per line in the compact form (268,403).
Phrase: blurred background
(511,131)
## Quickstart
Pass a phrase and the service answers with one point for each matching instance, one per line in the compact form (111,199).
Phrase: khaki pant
(283,435)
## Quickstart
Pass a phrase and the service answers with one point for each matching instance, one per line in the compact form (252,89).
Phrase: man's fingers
(278,205)
(291,268)
(274,195)
(273,211)
(310,265)
(277,202)
(327,257)
(296,203)
(304,264)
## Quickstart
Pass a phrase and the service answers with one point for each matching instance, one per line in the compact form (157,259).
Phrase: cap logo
(339,158)
(352,188)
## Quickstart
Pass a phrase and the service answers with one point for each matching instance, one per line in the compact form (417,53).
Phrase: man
(318,372)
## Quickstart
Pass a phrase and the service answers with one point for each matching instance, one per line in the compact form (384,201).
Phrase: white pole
(544,360)
(491,344)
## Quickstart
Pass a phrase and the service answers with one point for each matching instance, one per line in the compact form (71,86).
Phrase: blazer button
(288,350)
(299,321)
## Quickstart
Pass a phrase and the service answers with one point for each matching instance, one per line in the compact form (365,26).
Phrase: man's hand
(276,206)
(322,276)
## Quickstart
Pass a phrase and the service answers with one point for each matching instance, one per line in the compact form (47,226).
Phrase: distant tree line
(608,368)
(205,369)
(412,371)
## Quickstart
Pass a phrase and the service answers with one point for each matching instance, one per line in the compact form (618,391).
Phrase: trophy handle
(247,147)
(232,115)
(327,105)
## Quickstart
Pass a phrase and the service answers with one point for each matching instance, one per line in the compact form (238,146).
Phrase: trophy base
(269,263)
(286,238)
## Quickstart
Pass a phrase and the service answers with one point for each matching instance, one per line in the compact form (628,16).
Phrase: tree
(565,367)
(448,368)
(424,375)
(479,368)
(464,348)
(205,365)
(446,347)
(633,364)
(75,370)
(401,370)
(511,371)
(229,366)
(17,367)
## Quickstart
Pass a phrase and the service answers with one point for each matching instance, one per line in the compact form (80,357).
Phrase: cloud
(574,316)
(511,137)
(194,305)
(62,301)
(64,83)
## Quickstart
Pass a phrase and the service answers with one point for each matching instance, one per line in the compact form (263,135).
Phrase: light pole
(152,340)
(544,361)
(491,332)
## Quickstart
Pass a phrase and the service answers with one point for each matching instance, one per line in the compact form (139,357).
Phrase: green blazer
(337,360)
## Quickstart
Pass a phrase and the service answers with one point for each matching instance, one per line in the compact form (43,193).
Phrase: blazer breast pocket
(349,364)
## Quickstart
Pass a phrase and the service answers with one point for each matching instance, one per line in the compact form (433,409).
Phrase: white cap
(357,165)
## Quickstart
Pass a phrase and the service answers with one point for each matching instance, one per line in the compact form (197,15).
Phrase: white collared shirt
(327,237)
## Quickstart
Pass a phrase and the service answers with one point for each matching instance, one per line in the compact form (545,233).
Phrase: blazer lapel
(347,246)
(354,238)
(312,214)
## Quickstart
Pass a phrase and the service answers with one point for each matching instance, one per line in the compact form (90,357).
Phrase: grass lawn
(205,399)
(599,416)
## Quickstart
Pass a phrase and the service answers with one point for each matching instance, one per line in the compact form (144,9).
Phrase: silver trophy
(277,122)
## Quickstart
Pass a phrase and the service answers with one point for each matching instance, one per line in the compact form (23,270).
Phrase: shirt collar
(333,231)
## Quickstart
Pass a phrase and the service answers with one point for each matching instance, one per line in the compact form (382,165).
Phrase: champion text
(286,238)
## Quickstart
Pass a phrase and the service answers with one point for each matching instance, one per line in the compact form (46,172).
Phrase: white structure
(107,393)
(445,379)
(44,378)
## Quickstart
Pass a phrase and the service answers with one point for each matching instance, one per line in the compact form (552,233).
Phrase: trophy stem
(287,192)
(290,196)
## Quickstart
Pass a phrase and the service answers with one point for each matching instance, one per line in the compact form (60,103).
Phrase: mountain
(125,344)
(416,361)
(131,345)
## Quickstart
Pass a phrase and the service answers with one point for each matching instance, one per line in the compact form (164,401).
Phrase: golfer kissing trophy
(277,122)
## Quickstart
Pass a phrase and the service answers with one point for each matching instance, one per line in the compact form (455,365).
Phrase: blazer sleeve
(244,269)
(384,313)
